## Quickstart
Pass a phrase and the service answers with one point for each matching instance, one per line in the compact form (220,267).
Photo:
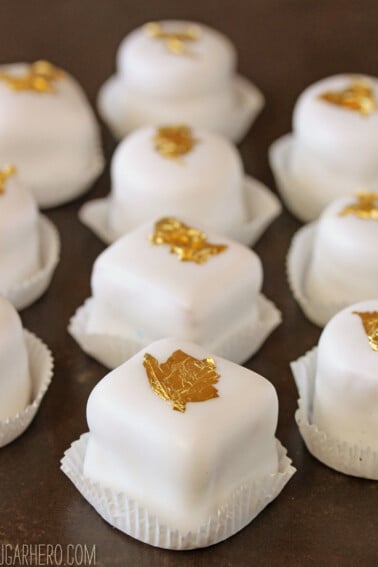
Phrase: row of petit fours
(181,450)
(184,509)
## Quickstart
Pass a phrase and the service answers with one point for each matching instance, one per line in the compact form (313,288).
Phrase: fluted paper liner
(41,368)
(299,202)
(124,513)
(262,208)
(69,191)
(340,455)
(23,294)
(297,265)
(249,101)
(236,344)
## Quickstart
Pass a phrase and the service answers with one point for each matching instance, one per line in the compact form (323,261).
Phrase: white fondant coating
(205,184)
(19,237)
(53,138)
(148,66)
(144,291)
(201,88)
(181,466)
(344,261)
(346,384)
(15,384)
(337,137)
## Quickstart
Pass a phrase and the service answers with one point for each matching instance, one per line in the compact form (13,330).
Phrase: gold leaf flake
(174,41)
(359,96)
(366,207)
(6,172)
(174,141)
(370,322)
(39,78)
(188,243)
(182,379)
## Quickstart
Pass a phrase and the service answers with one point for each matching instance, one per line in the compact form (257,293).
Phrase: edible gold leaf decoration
(40,77)
(6,172)
(359,96)
(182,378)
(174,141)
(174,41)
(365,207)
(188,243)
(370,322)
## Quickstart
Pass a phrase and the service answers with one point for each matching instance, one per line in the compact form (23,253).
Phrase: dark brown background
(322,518)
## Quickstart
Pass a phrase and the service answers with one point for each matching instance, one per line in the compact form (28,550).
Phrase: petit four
(49,131)
(170,278)
(175,170)
(338,384)
(333,262)
(15,381)
(333,146)
(178,71)
(146,444)
(29,243)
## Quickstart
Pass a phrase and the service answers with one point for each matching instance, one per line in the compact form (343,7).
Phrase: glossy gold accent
(182,379)
(174,141)
(359,96)
(39,78)
(6,172)
(366,207)
(188,243)
(176,41)
(370,322)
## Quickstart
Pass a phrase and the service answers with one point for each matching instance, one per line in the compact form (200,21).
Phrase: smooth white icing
(144,291)
(150,68)
(333,150)
(346,386)
(153,85)
(53,138)
(344,261)
(19,237)
(181,466)
(205,184)
(15,384)
(338,137)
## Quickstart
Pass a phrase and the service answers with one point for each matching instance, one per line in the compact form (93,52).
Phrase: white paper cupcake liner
(249,101)
(41,370)
(297,200)
(124,513)
(237,344)
(23,294)
(70,191)
(262,208)
(297,264)
(335,453)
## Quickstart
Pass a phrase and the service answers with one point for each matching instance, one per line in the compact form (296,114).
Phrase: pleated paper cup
(23,294)
(127,515)
(41,369)
(113,108)
(354,460)
(297,265)
(237,344)
(262,208)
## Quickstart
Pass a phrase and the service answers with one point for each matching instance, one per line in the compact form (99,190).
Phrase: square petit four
(170,278)
(333,146)
(178,71)
(49,131)
(338,385)
(186,437)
